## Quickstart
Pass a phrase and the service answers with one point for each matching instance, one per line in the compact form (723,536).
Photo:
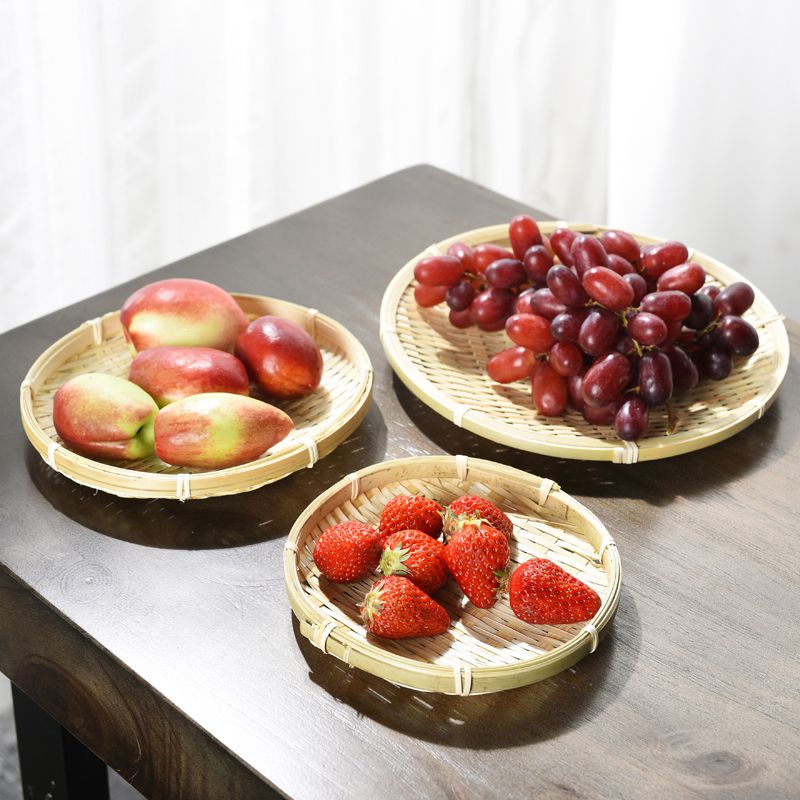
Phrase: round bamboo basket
(322,420)
(445,368)
(485,650)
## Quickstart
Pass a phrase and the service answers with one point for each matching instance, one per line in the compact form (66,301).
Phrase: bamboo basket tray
(445,368)
(322,420)
(485,650)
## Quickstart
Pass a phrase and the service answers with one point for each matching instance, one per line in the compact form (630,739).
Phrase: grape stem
(672,418)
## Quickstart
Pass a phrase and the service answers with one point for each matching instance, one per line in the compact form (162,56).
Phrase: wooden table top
(160,633)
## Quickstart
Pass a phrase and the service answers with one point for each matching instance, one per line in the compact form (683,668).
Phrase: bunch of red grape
(599,323)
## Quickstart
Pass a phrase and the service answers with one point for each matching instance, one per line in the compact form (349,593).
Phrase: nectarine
(102,415)
(181,312)
(280,357)
(170,373)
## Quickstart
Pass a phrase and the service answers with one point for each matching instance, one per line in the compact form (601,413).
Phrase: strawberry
(347,552)
(475,506)
(411,512)
(418,557)
(541,592)
(477,555)
(396,609)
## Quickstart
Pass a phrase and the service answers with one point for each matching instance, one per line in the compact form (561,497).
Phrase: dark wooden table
(159,634)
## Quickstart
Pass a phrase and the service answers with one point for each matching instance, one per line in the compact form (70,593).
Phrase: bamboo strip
(322,420)
(499,650)
(445,368)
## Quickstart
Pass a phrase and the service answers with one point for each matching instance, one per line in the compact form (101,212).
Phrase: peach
(181,312)
(218,430)
(170,373)
(105,416)
(280,357)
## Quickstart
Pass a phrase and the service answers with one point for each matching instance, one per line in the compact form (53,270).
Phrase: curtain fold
(134,132)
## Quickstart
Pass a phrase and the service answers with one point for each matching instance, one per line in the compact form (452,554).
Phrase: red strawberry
(396,609)
(477,555)
(474,506)
(541,592)
(411,512)
(347,552)
(418,557)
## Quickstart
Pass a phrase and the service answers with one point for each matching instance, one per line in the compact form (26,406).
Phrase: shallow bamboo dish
(485,650)
(445,368)
(322,420)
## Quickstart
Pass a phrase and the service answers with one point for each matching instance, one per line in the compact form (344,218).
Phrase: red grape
(735,299)
(621,265)
(463,252)
(523,233)
(565,286)
(566,359)
(667,305)
(607,288)
(661,257)
(632,419)
(619,243)
(484,254)
(460,295)
(524,301)
(598,332)
(703,312)
(655,379)
(537,261)
(674,328)
(461,319)
(438,270)
(736,334)
(687,278)
(531,331)
(506,273)
(575,391)
(544,303)
(567,325)
(549,391)
(429,296)
(492,306)
(601,415)
(561,240)
(639,286)
(684,370)
(714,362)
(587,252)
(605,379)
(647,329)
(511,365)
(493,327)
(711,290)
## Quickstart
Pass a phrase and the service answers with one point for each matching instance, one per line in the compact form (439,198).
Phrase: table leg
(54,765)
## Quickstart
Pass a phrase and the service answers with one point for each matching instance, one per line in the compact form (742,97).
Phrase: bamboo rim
(486,650)
(323,420)
(415,341)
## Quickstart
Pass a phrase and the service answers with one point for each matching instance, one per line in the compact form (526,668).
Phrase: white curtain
(134,132)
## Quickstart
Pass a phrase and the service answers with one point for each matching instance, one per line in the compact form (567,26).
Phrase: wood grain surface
(160,633)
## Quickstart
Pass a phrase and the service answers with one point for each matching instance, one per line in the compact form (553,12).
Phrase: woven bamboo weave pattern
(544,526)
(321,420)
(445,367)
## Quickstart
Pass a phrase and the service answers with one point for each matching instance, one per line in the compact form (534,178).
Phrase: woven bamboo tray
(485,650)
(322,420)
(445,368)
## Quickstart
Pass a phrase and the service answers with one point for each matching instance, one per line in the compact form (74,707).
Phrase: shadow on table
(656,482)
(511,718)
(216,522)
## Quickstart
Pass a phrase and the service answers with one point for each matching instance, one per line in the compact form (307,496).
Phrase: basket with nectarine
(191,392)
